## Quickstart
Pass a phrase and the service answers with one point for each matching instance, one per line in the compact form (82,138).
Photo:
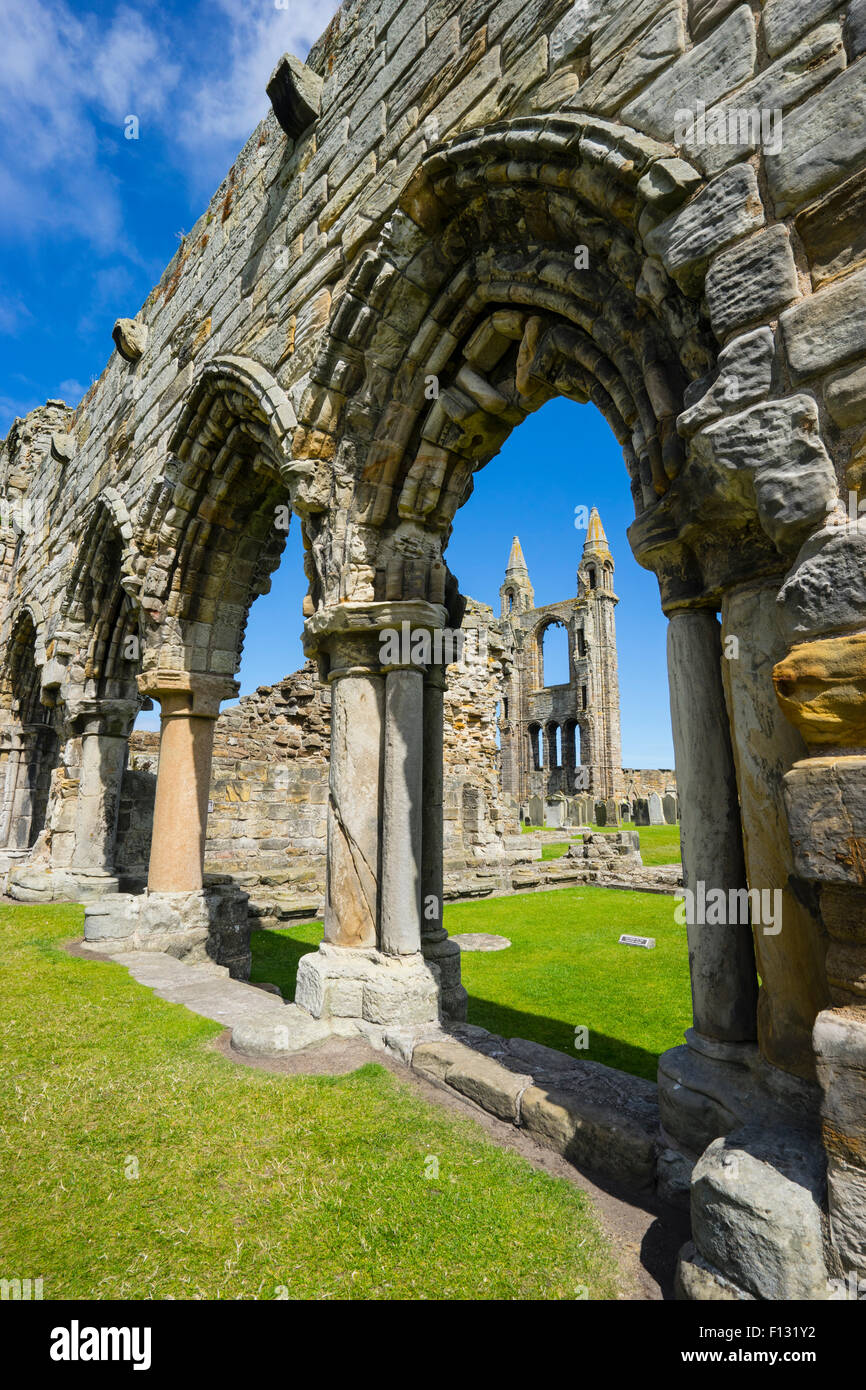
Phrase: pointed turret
(516,593)
(596,564)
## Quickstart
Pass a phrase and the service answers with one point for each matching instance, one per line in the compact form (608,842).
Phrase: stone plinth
(210,924)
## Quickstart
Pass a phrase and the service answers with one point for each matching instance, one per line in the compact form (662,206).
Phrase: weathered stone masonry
(417,216)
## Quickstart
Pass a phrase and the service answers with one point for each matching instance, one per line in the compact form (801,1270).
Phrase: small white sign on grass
(648,942)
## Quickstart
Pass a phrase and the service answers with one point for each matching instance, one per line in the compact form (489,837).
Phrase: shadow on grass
(552,1032)
(275,959)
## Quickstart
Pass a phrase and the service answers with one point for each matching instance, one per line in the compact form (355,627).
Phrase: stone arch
(539,640)
(214,526)
(477,305)
(28,737)
(100,634)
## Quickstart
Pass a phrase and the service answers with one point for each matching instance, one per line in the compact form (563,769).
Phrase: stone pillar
(104,727)
(435,944)
(706,1087)
(373,972)
(721,958)
(357,720)
(189,707)
(402,791)
(789,950)
(10,787)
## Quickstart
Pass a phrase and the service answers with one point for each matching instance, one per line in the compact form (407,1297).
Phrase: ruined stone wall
(640,781)
(269,786)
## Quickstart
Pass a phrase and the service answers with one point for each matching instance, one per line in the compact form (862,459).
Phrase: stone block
(776,449)
(757,1198)
(828,329)
(845,396)
(744,374)
(697,1281)
(295,93)
(833,231)
(825,140)
(785,21)
(751,282)
(826,589)
(708,72)
(601,1137)
(725,211)
(488,1083)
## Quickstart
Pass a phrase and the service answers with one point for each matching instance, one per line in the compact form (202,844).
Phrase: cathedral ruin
(510,200)
(562,738)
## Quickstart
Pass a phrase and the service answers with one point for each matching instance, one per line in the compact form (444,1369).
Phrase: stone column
(790,949)
(436,946)
(402,792)
(706,1088)
(357,720)
(370,972)
(190,704)
(10,786)
(721,958)
(104,727)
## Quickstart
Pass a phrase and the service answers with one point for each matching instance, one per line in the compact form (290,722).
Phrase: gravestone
(612,813)
(641,811)
(600,813)
(670,808)
(536,811)
(555,811)
(654,806)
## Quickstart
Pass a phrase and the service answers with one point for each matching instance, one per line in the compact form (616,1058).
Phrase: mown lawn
(139,1163)
(564,968)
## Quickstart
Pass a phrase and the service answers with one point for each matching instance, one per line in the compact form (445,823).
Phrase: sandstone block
(710,70)
(757,1198)
(723,212)
(825,139)
(828,329)
(751,282)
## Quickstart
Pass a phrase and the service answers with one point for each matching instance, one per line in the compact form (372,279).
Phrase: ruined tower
(562,737)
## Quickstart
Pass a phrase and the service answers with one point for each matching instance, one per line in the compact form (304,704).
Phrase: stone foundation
(210,924)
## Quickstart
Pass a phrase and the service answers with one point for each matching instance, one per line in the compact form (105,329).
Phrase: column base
(210,924)
(366,990)
(709,1088)
(31,883)
(442,952)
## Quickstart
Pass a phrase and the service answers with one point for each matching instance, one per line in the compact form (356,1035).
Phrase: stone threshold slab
(261,1023)
(597,1117)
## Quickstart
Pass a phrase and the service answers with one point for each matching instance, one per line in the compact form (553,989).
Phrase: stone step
(262,1023)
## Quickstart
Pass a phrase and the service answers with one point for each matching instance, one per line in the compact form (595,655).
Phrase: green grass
(248,1183)
(564,968)
(659,844)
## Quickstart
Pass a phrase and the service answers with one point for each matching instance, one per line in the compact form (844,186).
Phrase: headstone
(536,811)
(555,811)
(654,807)
(624,811)
(612,812)
(648,942)
(669,807)
(600,813)
(641,811)
(574,808)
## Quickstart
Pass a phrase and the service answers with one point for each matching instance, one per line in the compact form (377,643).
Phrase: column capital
(188,693)
(92,715)
(346,638)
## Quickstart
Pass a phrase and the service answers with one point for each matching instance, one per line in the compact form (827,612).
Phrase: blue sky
(562,458)
(91,218)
